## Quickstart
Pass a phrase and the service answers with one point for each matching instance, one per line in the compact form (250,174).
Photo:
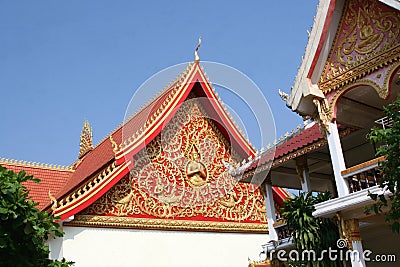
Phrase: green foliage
(24,229)
(390,138)
(309,232)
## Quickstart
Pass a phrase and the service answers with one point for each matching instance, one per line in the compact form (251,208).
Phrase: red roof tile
(50,179)
(103,153)
(302,139)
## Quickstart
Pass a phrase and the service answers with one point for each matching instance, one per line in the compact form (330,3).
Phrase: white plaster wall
(129,247)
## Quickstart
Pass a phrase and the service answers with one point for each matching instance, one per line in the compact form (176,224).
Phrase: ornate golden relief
(180,175)
(323,116)
(368,38)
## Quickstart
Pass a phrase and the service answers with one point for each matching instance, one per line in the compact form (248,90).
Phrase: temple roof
(304,137)
(98,169)
(52,178)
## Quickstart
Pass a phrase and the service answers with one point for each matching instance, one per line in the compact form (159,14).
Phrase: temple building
(161,190)
(156,191)
(349,72)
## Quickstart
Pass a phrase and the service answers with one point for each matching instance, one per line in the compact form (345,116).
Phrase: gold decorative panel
(367,39)
(180,176)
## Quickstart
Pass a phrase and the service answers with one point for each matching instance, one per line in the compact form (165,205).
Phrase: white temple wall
(130,247)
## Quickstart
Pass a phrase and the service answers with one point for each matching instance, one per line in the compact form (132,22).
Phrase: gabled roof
(305,141)
(52,178)
(100,169)
(298,141)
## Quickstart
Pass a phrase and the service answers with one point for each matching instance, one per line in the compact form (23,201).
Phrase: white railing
(364,175)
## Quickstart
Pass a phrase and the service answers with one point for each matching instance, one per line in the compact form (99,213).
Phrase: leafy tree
(24,229)
(310,233)
(390,168)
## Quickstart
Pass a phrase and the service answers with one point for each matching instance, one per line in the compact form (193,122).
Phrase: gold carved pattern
(322,115)
(367,39)
(89,188)
(161,184)
(165,224)
(349,230)
(381,90)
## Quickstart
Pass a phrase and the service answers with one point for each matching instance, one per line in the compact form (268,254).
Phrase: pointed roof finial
(196,55)
(85,143)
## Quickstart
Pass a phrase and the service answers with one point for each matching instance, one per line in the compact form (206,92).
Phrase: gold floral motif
(367,39)
(161,186)
(165,224)
(383,90)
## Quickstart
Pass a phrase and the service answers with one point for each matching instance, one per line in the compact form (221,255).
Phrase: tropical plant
(390,167)
(310,233)
(24,229)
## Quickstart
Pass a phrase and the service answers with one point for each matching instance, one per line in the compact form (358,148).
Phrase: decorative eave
(304,88)
(90,191)
(304,141)
(167,224)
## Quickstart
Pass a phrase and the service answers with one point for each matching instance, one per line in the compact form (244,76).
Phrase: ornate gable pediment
(367,40)
(179,181)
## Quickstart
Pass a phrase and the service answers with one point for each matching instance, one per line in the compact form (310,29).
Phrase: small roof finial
(85,144)
(196,55)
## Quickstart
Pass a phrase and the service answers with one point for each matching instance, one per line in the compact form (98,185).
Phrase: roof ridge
(39,165)
(173,87)
(145,105)
(225,109)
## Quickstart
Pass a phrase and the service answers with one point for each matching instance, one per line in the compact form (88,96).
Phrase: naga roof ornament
(85,143)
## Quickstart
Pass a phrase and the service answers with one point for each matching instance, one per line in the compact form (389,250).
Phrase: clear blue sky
(65,61)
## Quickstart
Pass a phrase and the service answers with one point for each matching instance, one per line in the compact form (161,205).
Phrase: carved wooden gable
(179,181)
(366,47)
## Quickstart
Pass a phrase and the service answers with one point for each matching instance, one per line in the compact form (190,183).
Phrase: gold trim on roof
(367,39)
(87,190)
(161,184)
(85,142)
(383,91)
(38,165)
(178,84)
(165,224)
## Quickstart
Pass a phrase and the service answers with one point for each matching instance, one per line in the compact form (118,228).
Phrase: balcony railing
(364,175)
(282,230)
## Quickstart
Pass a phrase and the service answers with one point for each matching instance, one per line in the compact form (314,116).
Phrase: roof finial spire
(196,55)
(85,144)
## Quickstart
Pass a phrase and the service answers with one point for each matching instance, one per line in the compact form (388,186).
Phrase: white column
(305,185)
(270,207)
(359,260)
(337,159)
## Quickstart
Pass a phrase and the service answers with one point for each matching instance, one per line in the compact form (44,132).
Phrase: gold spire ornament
(85,144)
(196,55)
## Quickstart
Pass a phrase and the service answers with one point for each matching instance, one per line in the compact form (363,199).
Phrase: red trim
(196,76)
(325,31)
(126,155)
(85,202)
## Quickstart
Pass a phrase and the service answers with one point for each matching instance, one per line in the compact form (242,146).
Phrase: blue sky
(65,61)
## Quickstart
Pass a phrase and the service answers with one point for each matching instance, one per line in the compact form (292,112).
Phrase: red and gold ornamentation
(179,179)
(367,39)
